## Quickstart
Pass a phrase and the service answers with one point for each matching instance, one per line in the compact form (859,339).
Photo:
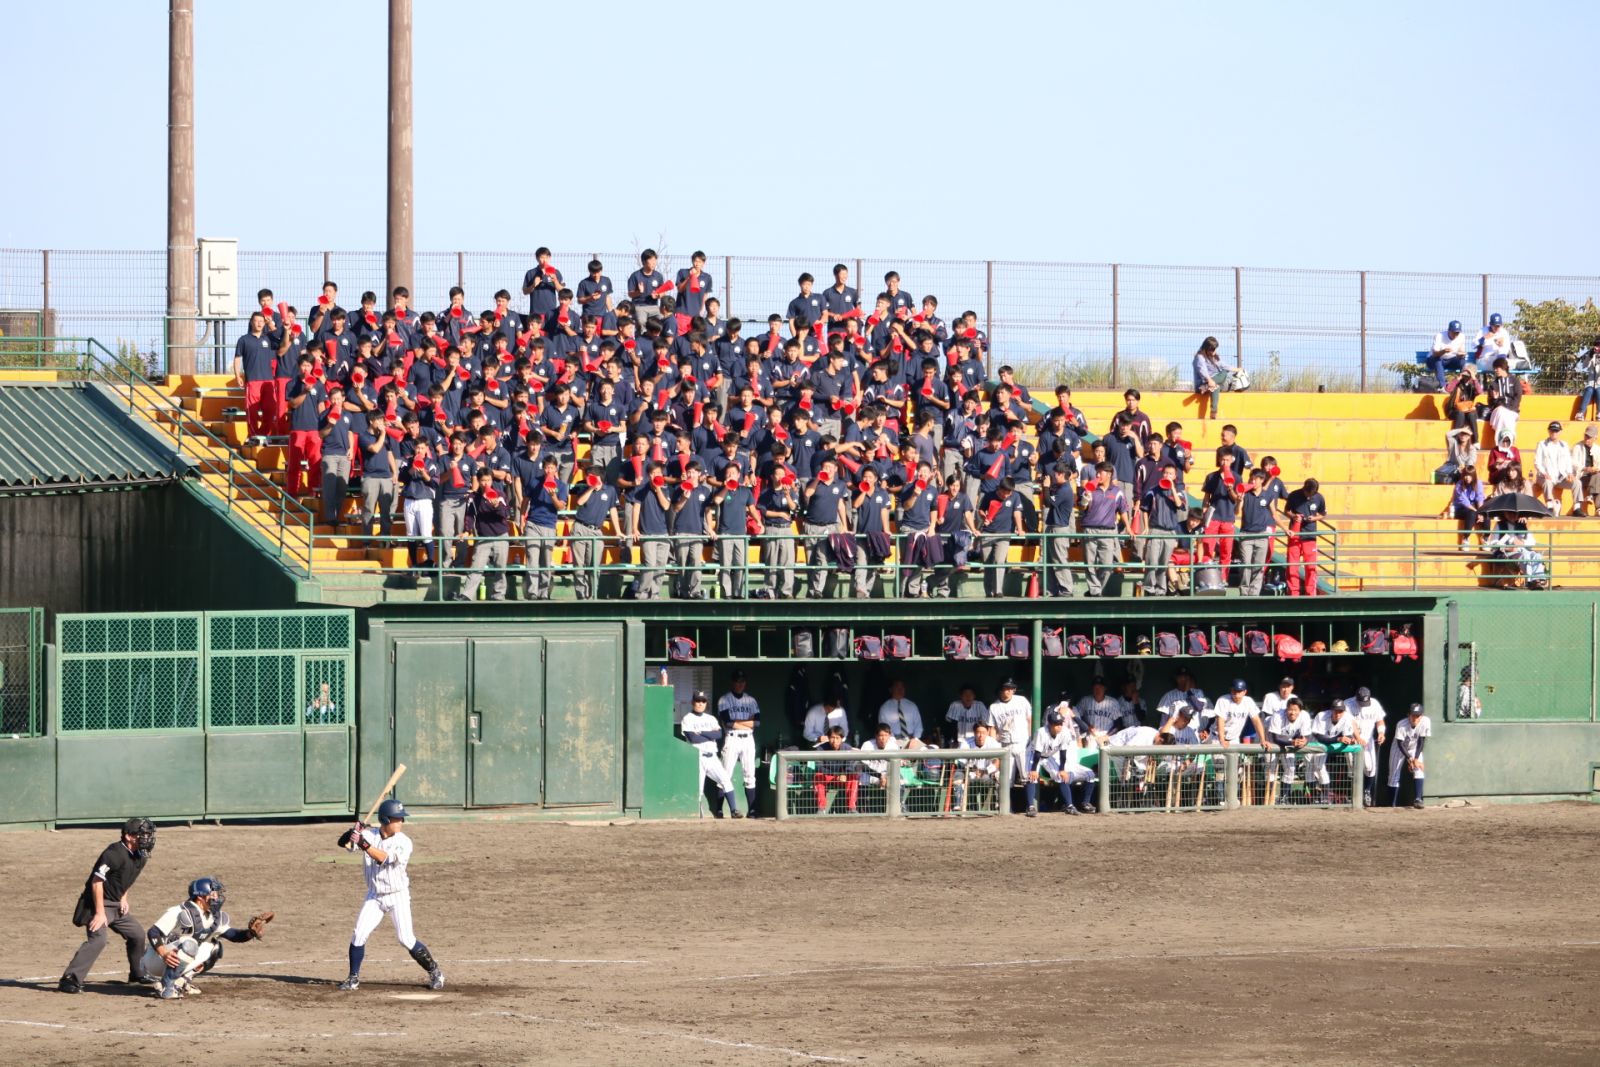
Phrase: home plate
(415,996)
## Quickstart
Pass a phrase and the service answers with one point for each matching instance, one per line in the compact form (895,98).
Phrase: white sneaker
(436,979)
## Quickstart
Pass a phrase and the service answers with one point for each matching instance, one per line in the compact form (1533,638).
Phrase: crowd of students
(855,441)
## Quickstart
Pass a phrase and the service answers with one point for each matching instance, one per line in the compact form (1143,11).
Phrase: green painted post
(1038,671)
(671,767)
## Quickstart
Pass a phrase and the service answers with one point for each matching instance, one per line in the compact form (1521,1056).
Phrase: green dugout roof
(57,437)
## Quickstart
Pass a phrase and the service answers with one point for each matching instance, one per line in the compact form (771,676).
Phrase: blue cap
(1055,718)
(1239,685)
(1455,326)
(1495,320)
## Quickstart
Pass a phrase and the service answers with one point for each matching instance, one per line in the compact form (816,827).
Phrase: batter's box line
(1330,951)
(342,961)
(640,1032)
(206,1036)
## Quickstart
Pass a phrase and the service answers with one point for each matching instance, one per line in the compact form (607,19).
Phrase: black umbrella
(1514,503)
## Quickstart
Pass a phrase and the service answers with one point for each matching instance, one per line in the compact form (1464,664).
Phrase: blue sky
(1451,137)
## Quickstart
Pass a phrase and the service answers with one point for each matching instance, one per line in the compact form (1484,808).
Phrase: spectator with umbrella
(1513,542)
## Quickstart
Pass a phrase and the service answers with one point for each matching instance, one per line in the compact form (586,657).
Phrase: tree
(1555,332)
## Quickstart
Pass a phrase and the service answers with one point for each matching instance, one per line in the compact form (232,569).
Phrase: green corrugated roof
(55,435)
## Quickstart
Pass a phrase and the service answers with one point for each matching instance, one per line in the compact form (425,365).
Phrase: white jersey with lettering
(389,876)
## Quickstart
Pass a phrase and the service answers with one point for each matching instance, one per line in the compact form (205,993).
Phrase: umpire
(103,905)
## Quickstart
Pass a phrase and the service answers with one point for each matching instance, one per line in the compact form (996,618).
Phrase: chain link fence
(1211,778)
(928,782)
(129,672)
(1086,324)
(21,687)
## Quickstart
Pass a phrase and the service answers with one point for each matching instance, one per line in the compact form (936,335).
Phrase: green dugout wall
(189,715)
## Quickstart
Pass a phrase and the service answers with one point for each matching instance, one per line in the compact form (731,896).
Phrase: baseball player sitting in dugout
(187,940)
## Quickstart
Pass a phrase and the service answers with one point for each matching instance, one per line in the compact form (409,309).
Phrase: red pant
(1302,552)
(851,787)
(1218,535)
(280,407)
(260,409)
(305,460)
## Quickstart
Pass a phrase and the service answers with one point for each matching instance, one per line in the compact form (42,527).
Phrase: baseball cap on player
(1009,683)
(1416,709)
(1055,718)
(1285,682)
(1363,693)
(1240,685)
(391,810)
(700,697)
(736,676)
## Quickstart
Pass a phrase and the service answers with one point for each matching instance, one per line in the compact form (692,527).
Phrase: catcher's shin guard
(424,958)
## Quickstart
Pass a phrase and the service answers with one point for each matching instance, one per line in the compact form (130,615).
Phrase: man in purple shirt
(1105,508)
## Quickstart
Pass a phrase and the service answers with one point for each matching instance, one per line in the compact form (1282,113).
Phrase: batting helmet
(144,831)
(1455,326)
(205,887)
(391,811)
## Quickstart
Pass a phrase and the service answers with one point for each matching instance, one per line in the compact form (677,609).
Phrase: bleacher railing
(1102,324)
(1141,778)
(277,521)
(925,782)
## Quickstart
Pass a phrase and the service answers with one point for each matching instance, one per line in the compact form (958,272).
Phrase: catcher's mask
(143,831)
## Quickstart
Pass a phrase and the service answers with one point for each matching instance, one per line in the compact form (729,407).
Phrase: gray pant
(654,556)
(918,579)
(866,572)
(1100,552)
(377,501)
(690,557)
(1158,548)
(539,546)
(491,555)
(777,559)
(1253,549)
(732,552)
(335,484)
(951,461)
(588,546)
(602,455)
(993,550)
(452,524)
(1058,554)
(820,560)
(127,927)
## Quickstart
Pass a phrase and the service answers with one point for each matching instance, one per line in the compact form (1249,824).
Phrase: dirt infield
(1445,936)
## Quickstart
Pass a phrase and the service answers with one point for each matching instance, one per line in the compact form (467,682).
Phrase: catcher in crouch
(186,941)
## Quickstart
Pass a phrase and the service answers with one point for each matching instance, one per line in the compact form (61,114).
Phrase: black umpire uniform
(114,872)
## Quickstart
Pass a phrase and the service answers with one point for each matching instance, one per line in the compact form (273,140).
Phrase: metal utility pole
(399,258)
(181,309)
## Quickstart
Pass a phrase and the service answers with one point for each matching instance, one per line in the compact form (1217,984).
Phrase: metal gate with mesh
(255,707)
(21,685)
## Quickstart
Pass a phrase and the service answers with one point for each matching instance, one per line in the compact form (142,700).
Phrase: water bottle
(662,678)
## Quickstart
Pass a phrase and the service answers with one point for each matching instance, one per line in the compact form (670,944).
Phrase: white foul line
(1330,951)
(590,1025)
(214,1036)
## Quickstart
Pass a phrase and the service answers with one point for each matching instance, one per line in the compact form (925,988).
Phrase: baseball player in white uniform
(701,729)
(1185,695)
(1329,728)
(186,941)
(1410,735)
(388,850)
(740,715)
(1288,730)
(975,770)
(1124,768)
(880,772)
(1374,730)
(1055,748)
(1012,718)
(966,713)
(1231,712)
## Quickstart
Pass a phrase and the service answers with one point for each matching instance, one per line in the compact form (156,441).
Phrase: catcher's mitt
(258,923)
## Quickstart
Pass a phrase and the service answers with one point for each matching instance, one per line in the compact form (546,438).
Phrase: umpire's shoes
(70,985)
(143,979)
(353,982)
(436,979)
(1033,811)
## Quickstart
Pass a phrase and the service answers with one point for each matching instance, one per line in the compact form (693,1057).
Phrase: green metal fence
(275,669)
(128,673)
(156,672)
(21,684)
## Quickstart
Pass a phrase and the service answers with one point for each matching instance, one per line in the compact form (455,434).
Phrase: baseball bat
(400,768)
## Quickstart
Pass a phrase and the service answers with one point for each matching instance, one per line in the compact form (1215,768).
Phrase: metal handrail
(141,394)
